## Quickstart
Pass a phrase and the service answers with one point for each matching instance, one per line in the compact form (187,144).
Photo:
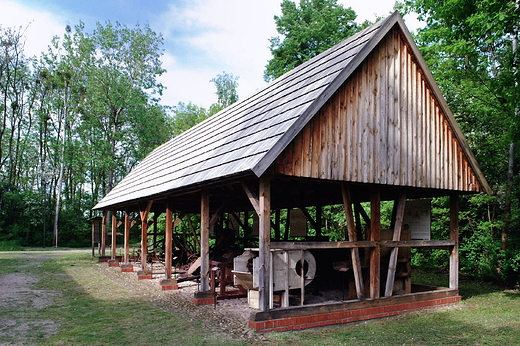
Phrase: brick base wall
(317,320)
(204,301)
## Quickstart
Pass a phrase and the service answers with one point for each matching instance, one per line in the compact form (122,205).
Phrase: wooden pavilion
(362,122)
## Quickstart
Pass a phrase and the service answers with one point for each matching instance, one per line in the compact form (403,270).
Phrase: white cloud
(230,35)
(41,26)
(202,39)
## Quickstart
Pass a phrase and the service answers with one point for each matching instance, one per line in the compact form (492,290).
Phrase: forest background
(77,118)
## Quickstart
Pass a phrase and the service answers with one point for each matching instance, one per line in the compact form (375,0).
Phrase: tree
(186,116)
(470,48)
(307,30)
(226,85)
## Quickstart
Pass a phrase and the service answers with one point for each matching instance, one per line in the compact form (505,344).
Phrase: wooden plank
(168,250)
(204,240)
(127,226)
(375,235)
(144,210)
(264,241)
(104,232)
(438,244)
(298,311)
(390,278)
(351,229)
(454,236)
(287,245)
(253,198)
(309,245)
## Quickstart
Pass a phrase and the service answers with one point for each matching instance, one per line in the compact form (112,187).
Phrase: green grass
(91,309)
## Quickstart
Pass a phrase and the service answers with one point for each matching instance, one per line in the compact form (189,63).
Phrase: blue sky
(202,38)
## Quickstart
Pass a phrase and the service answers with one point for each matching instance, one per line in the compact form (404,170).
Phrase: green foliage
(226,85)
(468,46)
(185,116)
(10,245)
(307,30)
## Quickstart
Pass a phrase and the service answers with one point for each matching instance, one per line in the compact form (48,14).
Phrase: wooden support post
(302,279)
(390,278)
(143,212)
(375,235)
(113,244)
(126,258)
(204,241)
(351,230)
(104,233)
(168,241)
(264,242)
(454,236)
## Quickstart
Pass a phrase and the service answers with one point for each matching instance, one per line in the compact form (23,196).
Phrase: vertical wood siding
(383,126)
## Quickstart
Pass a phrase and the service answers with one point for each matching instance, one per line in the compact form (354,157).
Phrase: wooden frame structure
(362,122)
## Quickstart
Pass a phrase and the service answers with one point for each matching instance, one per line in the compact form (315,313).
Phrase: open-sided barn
(362,122)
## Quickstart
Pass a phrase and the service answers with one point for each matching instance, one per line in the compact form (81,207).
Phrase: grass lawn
(87,308)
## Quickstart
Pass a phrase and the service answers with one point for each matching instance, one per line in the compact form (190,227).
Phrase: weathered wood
(375,235)
(454,236)
(204,240)
(297,311)
(144,210)
(351,229)
(127,227)
(253,197)
(286,245)
(113,246)
(437,244)
(168,251)
(218,213)
(104,232)
(264,240)
(392,264)
(309,217)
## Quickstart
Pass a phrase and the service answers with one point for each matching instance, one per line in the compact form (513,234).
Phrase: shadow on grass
(91,309)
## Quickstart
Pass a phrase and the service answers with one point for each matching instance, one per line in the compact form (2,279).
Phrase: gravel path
(19,297)
(229,317)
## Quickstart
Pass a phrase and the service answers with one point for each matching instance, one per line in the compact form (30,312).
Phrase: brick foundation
(144,275)
(347,316)
(126,268)
(168,285)
(204,298)
(113,263)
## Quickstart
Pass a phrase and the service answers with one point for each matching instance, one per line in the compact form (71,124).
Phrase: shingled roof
(248,136)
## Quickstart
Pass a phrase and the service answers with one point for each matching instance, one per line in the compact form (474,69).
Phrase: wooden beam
(454,237)
(264,241)
(437,244)
(114,237)
(217,214)
(104,232)
(204,240)
(168,251)
(127,236)
(375,235)
(309,217)
(351,230)
(253,197)
(144,210)
(390,278)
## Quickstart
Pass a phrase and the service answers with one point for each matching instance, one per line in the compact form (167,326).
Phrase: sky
(202,38)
